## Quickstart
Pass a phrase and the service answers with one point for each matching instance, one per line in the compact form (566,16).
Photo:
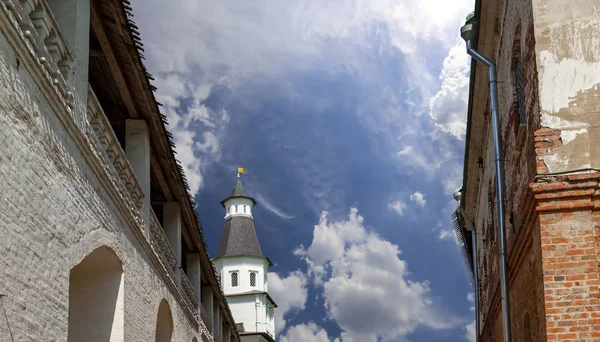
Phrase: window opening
(234,279)
(527,328)
(253,279)
(520,91)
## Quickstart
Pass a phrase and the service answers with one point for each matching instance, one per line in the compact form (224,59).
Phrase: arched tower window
(253,276)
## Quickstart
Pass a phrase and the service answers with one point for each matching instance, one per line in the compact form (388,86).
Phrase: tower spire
(239,235)
(243,268)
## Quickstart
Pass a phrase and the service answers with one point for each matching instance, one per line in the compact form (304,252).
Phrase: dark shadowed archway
(164,322)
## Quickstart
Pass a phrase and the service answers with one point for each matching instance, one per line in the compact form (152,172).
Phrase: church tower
(243,269)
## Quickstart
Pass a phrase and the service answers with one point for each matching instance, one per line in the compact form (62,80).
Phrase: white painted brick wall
(54,212)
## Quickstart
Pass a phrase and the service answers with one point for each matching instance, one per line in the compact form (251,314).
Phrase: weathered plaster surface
(568,60)
(57,211)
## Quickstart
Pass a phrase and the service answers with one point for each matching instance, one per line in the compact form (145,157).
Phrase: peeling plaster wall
(567,35)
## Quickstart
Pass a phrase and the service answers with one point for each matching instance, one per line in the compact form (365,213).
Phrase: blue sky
(349,116)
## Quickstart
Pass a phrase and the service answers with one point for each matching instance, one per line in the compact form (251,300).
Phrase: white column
(73,20)
(257,313)
(226,333)
(207,302)
(137,150)
(194,272)
(172,227)
(216,318)
(221,323)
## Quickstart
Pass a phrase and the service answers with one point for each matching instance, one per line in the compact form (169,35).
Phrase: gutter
(461,211)
(469,33)
(472,73)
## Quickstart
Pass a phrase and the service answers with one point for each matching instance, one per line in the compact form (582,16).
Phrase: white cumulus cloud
(289,293)
(196,46)
(447,234)
(310,332)
(195,146)
(398,207)
(418,198)
(470,332)
(366,285)
(448,108)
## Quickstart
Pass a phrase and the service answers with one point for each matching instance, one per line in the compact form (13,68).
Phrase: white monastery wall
(55,211)
(242,265)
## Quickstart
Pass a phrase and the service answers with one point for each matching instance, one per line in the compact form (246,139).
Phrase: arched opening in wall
(96,298)
(164,323)
(526,328)
(194,340)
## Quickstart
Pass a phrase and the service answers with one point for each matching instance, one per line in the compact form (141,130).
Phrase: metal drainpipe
(468,33)
(475,270)
(476,285)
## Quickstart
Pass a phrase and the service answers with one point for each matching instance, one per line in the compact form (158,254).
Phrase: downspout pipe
(471,227)
(469,33)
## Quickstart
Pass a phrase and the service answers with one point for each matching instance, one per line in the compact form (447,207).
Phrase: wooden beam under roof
(169,174)
(98,28)
(119,77)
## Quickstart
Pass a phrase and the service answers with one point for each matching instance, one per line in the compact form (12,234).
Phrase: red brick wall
(552,223)
(569,220)
(525,273)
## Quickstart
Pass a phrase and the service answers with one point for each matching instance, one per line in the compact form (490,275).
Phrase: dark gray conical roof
(239,235)
(238,191)
(239,238)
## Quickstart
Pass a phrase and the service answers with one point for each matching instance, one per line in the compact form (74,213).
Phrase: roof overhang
(230,197)
(245,255)
(477,135)
(263,334)
(462,233)
(248,293)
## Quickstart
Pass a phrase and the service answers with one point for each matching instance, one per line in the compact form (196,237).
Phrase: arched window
(96,298)
(164,322)
(244,209)
(526,328)
(253,279)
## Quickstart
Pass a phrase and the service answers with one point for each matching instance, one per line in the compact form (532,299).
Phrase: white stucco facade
(238,206)
(248,300)
(243,270)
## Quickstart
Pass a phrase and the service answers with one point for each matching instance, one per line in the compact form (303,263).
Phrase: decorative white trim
(45,74)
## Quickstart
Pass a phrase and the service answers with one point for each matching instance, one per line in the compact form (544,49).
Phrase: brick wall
(568,226)
(552,220)
(54,213)
(526,291)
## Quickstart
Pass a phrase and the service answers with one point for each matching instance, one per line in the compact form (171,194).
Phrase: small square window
(253,279)
(234,279)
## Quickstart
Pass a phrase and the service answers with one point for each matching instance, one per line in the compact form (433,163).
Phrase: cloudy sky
(349,116)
